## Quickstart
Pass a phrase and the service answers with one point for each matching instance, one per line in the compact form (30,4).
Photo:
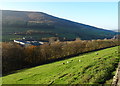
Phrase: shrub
(16,57)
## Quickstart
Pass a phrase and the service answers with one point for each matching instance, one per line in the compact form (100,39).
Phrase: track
(116,78)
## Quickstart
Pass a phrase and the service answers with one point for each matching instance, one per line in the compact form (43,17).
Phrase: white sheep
(63,63)
(67,61)
(96,53)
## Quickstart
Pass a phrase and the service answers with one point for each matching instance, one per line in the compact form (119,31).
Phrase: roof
(35,43)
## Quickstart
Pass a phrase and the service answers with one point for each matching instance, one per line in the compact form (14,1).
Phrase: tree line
(15,57)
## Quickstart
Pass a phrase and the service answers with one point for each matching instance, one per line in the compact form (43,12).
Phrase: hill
(16,24)
(93,67)
(116,30)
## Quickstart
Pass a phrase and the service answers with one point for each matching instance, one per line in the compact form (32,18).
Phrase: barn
(29,43)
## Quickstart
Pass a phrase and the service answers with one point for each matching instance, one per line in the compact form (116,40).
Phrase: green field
(94,67)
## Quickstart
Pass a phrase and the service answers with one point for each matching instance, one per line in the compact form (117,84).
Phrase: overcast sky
(98,14)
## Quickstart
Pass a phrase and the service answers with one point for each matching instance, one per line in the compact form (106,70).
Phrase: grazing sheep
(79,60)
(67,61)
(63,63)
(96,53)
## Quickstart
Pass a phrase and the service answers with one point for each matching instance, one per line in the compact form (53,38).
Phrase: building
(29,43)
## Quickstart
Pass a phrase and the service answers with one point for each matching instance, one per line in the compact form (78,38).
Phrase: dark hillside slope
(15,21)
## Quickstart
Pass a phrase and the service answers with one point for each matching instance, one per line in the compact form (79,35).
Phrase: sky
(99,14)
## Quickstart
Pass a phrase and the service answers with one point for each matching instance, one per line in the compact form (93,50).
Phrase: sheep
(67,61)
(96,53)
(63,63)
(79,60)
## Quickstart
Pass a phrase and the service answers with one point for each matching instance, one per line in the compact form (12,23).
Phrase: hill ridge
(62,27)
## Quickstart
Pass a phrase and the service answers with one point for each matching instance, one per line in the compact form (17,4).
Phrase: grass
(86,68)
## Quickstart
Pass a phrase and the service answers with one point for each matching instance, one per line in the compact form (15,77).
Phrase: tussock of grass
(91,68)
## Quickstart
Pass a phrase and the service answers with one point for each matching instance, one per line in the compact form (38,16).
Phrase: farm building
(28,43)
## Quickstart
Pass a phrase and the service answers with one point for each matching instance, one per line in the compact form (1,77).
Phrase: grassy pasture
(95,67)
